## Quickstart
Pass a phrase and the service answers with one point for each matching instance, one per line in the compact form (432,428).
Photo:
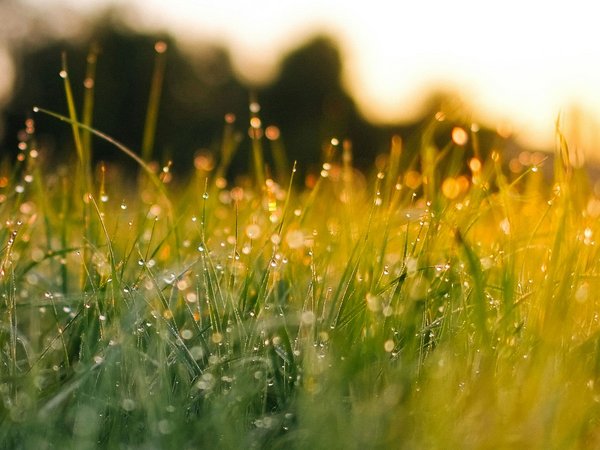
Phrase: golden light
(272,133)
(412,179)
(255,122)
(8,75)
(475,165)
(459,136)
(450,188)
(516,64)
(160,47)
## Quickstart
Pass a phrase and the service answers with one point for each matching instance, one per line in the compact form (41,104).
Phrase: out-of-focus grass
(447,307)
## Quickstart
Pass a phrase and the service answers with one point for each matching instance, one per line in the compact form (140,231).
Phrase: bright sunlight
(517,64)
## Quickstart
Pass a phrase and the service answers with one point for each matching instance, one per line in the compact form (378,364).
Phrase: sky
(516,63)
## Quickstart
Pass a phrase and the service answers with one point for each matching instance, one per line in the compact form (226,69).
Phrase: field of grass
(420,306)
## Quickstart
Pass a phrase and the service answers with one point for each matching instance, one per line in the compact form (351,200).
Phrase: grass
(425,305)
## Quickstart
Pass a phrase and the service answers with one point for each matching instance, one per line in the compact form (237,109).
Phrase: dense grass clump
(425,305)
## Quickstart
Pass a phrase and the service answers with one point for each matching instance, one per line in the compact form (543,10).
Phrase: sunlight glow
(7,76)
(518,64)
(515,64)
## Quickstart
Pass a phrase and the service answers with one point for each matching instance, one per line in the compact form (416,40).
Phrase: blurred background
(319,69)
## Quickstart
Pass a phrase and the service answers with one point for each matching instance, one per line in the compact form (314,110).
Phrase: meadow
(445,303)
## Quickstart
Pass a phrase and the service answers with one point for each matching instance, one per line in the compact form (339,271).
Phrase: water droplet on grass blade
(582,292)
(253,231)
(186,334)
(272,133)
(450,188)
(197,352)
(505,225)
(88,83)
(169,279)
(459,136)
(308,317)
(389,345)
(128,404)
(160,47)
(254,107)
(255,123)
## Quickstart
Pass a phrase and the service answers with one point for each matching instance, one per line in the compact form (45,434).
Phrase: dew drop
(128,404)
(505,225)
(186,334)
(388,346)
(459,136)
(255,123)
(254,107)
(160,47)
(169,279)
(253,231)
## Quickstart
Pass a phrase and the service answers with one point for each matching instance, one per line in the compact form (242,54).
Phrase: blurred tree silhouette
(310,106)
(306,100)
(197,92)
